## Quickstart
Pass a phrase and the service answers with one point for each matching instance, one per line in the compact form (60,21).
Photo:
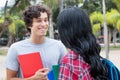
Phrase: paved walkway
(114,56)
(2,70)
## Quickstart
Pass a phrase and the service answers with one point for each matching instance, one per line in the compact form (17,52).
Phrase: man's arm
(41,74)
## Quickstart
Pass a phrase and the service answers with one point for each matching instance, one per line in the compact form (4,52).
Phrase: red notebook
(30,63)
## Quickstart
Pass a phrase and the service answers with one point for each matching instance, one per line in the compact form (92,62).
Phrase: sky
(2,3)
(10,2)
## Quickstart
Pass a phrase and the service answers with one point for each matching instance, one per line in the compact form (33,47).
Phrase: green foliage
(55,14)
(3,30)
(112,17)
(1,25)
(108,18)
(118,25)
(54,5)
(12,29)
(51,3)
(18,8)
(96,5)
(96,28)
(1,21)
(47,34)
(117,2)
(92,5)
(96,20)
(96,17)
(17,28)
(20,29)
(110,5)
(80,1)
(8,18)
(20,23)
(115,16)
(15,17)
(70,2)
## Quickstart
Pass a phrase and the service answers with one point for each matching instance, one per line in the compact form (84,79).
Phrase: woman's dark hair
(34,12)
(75,32)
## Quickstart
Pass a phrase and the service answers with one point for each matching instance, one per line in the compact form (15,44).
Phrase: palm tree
(4,23)
(73,2)
(112,19)
(16,9)
(12,33)
(117,2)
(1,26)
(97,21)
(16,29)
(118,25)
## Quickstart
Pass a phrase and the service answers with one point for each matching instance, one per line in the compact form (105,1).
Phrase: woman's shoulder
(69,56)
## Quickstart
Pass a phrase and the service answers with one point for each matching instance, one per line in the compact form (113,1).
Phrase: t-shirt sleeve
(63,51)
(11,61)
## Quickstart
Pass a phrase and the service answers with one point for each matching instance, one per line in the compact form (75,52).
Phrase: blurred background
(12,27)
(104,16)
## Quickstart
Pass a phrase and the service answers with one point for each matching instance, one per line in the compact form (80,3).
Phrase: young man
(36,18)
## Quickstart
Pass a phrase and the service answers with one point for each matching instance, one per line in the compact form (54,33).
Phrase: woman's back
(74,69)
(75,32)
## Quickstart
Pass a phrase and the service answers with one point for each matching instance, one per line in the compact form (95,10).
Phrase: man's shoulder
(50,40)
(54,43)
(22,42)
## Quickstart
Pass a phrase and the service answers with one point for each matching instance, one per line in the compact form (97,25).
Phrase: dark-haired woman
(83,61)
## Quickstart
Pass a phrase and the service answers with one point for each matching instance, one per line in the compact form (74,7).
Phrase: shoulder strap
(113,72)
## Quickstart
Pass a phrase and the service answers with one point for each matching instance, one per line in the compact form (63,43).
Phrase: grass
(3,52)
(112,48)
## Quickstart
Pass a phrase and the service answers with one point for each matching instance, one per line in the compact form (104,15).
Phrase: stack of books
(53,74)
(31,62)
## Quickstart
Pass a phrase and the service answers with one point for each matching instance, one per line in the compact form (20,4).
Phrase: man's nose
(43,23)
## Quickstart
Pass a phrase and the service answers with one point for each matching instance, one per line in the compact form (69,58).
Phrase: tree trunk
(1,33)
(106,42)
(16,2)
(114,37)
(51,32)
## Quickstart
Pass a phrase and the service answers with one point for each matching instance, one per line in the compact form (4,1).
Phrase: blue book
(51,75)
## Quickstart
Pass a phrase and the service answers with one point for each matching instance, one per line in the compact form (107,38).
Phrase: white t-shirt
(51,52)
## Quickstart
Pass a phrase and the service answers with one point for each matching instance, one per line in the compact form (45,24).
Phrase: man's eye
(46,20)
(38,20)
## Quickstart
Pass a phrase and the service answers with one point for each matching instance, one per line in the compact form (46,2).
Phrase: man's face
(40,25)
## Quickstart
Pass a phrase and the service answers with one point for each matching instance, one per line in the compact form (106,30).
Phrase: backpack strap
(113,72)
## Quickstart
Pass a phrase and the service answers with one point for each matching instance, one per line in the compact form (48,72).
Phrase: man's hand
(41,74)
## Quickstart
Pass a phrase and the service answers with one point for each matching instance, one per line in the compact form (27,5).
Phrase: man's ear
(29,27)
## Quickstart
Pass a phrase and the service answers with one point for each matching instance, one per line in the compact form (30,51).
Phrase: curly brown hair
(34,12)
